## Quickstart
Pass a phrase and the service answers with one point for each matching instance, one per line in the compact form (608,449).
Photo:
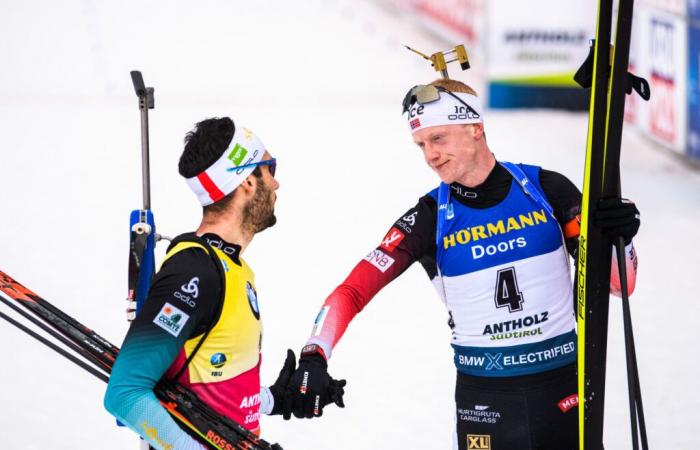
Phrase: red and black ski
(213,430)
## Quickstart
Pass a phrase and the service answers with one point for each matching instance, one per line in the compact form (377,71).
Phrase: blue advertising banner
(694,91)
(694,11)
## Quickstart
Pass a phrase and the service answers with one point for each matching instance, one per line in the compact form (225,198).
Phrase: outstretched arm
(411,236)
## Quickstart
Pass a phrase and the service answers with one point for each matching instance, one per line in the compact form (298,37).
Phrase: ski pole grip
(139,85)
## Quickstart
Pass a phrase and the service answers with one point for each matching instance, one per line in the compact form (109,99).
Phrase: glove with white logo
(278,389)
(311,388)
(617,217)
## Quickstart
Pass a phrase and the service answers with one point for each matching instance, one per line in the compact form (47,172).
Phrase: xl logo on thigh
(478,442)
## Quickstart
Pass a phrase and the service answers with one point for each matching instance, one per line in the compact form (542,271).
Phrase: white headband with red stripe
(217,181)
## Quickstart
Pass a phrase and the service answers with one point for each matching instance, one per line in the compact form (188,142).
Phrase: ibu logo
(171,319)
(218,360)
(238,154)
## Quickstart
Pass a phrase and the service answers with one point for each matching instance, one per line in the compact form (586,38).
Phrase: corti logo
(478,442)
(237,154)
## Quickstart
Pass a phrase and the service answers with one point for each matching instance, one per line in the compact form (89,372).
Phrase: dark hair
(203,147)
(205,144)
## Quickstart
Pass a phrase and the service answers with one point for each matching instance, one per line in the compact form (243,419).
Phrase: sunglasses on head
(271,163)
(427,93)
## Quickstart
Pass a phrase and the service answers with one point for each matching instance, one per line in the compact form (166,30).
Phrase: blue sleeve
(182,302)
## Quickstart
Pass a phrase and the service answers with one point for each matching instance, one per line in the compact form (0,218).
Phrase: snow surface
(320,82)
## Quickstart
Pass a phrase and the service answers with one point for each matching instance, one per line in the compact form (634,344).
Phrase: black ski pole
(56,348)
(620,86)
(640,408)
(638,424)
(72,345)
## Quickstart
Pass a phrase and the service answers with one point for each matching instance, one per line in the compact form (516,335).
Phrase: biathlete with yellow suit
(496,240)
(201,323)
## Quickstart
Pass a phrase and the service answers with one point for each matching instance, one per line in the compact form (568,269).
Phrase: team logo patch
(568,402)
(252,299)
(171,319)
(380,260)
(392,239)
(218,360)
(478,442)
(237,154)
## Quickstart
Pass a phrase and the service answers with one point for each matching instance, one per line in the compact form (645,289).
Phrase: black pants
(532,412)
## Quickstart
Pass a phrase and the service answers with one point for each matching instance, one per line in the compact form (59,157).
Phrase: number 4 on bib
(507,292)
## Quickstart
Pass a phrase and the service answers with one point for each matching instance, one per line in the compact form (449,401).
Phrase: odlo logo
(478,442)
(171,319)
(192,287)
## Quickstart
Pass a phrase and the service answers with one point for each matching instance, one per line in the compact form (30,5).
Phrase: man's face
(259,212)
(450,150)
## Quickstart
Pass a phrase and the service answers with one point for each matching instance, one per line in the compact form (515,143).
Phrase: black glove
(278,389)
(617,217)
(311,388)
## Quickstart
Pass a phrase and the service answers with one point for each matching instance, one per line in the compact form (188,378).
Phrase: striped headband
(216,182)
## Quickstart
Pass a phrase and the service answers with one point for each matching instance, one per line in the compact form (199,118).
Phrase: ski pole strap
(584,77)
(196,241)
(528,187)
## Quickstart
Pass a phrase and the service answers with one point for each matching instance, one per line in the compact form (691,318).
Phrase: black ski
(204,424)
(609,84)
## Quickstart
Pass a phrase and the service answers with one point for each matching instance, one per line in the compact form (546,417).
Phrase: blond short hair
(454,86)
